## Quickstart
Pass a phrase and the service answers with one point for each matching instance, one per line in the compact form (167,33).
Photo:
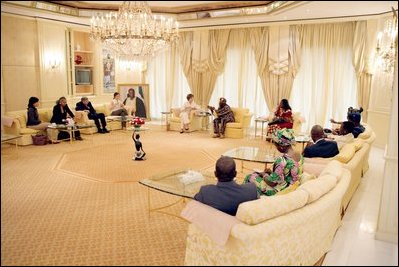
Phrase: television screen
(82,76)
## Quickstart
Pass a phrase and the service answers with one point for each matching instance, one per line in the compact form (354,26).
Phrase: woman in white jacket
(185,112)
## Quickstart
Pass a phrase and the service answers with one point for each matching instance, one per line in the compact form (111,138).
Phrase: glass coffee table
(70,129)
(10,137)
(170,183)
(302,139)
(252,154)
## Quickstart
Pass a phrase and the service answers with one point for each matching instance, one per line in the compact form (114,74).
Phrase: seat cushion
(235,125)
(265,208)
(28,131)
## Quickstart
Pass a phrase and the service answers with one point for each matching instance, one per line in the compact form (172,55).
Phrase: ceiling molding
(166,9)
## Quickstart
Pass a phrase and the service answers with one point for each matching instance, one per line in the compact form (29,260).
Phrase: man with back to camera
(320,147)
(226,195)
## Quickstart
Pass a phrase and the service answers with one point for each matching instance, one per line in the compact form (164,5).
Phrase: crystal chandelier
(133,32)
(386,55)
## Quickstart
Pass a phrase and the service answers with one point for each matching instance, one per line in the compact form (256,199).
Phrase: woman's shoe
(182,131)
(78,138)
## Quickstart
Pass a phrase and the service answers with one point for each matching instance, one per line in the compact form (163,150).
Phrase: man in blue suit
(321,147)
(226,195)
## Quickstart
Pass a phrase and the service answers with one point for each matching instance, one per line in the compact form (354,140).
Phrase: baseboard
(387,237)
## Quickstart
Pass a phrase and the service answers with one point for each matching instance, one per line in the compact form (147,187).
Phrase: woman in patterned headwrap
(287,168)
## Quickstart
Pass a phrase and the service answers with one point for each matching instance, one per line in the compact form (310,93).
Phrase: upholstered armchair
(238,128)
(297,124)
(174,121)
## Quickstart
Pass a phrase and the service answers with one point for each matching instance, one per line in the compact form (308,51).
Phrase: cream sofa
(175,121)
(354,156)
(296,228)
(82,118)
(18,126)
(238,128)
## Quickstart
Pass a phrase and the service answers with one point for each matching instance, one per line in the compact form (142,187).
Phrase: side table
(166,114)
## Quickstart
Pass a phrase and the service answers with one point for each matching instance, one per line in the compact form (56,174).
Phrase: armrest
(14,129)
(246,120)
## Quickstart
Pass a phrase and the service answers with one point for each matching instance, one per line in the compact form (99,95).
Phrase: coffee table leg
(148,202)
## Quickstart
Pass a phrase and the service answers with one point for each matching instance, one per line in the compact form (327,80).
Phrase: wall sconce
(386,55)
(54,64)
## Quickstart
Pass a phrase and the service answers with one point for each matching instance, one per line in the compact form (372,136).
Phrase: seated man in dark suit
(321,147)
(85,105)
(226,195)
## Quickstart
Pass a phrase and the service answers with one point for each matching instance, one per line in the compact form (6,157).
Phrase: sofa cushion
(306,177)
(333,168)
(358,143)
(366,134)
(175,119)
(265,208)
(313,168)
(318,187)
(235,125)
(28,131)
(346,154)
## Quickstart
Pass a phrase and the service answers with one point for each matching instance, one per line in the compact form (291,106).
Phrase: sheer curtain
(326,84)
(168,85)
(240,83)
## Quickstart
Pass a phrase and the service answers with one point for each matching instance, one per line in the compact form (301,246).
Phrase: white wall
(387,227)
(381,90)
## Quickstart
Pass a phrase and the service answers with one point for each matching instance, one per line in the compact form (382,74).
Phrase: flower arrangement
(137,122)
(78,59)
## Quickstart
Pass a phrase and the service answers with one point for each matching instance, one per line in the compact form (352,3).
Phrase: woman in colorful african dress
(282,118)
(287,169)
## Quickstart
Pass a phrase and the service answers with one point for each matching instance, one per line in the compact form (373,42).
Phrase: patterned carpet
(81,204)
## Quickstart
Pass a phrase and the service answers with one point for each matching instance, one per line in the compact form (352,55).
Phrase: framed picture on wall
(109,72)
(141,94)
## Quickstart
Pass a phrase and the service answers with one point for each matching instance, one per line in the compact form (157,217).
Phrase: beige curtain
(325,85)
(278,60)
(361,55)
(202,56)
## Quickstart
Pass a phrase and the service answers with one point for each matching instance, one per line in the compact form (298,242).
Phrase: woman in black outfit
(60,111)
(33,120)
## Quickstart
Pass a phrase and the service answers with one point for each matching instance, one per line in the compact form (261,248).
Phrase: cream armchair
(297,121)
(238,128)
(296,228)
(175,121)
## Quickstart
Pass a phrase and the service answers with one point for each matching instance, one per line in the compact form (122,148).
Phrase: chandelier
(386,55)
(133,32)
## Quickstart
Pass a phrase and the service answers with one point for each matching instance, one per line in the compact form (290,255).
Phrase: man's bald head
(317,133)
(225,169)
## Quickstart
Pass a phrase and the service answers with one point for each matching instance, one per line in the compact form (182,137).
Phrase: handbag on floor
(39,139)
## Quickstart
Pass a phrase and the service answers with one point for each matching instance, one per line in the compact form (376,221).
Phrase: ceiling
(193,14)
